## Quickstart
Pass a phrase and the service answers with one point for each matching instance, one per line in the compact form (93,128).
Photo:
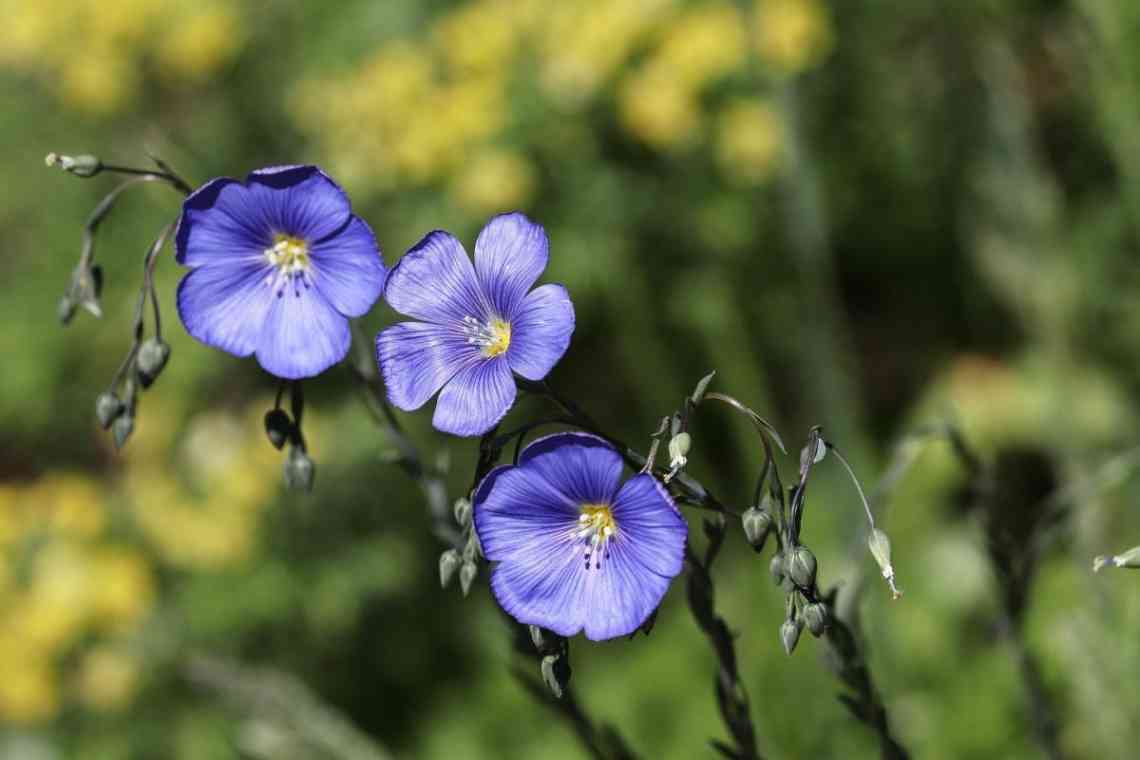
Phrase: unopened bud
(121,429)
(448,563)
(801,567)
(776,567)
(679,446)
(1129,559)
(813,453)
(757,524)
(537,637)
(278,427)
(790,634)
(153,355)
(702,387)
(815,618)
(299,470)
(467,575)
(80,166)
(880,547)
(555,674)
(108,407)
(462,511)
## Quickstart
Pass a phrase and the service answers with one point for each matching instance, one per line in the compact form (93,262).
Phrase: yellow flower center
(289,254)
(493,337)
(596,526)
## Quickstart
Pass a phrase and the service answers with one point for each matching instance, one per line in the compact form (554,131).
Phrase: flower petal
(516,510)
(475,399)
(417,358)
(301,201)
(652,530)
(540,331)
(220,224)
(544,589)
(583,467)
(303,335)
(510,254)
(348,269)
(225,306)
(620,595)
(435,282)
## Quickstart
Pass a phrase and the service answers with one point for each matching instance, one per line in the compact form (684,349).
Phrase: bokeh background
(871,216)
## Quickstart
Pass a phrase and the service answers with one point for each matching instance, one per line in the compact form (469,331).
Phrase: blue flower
(278,265)
(479,323)
(575,548)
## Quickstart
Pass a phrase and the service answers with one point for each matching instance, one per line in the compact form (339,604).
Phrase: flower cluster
(279,264)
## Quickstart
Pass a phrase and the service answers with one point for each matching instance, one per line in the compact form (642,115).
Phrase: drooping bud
(107,408)
(537,637)
(121,429)
(278,427)
(462,510)
(880,547)
(153,355)
(776,567)
(555,674)
(449,562)
(790,634)
(815,618)
(679,446)
(299,470)
(1129,559)
(467,575)
(801,567)
(81,166)
(757,524)
(702,387)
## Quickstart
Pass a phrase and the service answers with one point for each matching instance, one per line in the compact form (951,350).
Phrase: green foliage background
(920,211)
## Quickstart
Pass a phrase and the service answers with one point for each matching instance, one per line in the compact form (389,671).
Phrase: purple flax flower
(478,324)
(278,265)
(574,550)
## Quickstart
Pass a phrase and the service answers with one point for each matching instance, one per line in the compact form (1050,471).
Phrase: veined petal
(417,358)
(435,282)
(221,225)
(348,269)
(510,254)
(476,398)
(619,596)
(652,530)
(302,335)
(583,467)
(540,331)
(225,306)
(301,201)
(519,513)
(547,591)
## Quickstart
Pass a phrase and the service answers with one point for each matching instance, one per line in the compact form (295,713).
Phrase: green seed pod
(815,617)
(449,562)
(776,568)
(121,429)
(790,634)
(300,470)
(757,524)
(801,567)
(153,355)
(108,407)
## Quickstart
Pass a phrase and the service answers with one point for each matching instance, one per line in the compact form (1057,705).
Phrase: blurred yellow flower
(657,108)
(107,678)
(494,180)
(98,81)
(122,588)
(199,43)
(703,44)
(747,140)
(71,504)
(28,689)
(479,36)
(792,35)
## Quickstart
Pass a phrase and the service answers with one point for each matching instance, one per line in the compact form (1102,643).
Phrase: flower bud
(790,634)
(81,166)
(153,355)
(815,617)
(801,567)
(1128,559)
(108,407)
(299,470)
(462,511)
(278,427)
(776,567)
(467,575)
(679,449)
(757,524)
(880,547)
(448,563)
(121,429)
(536,637)
(555,673)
